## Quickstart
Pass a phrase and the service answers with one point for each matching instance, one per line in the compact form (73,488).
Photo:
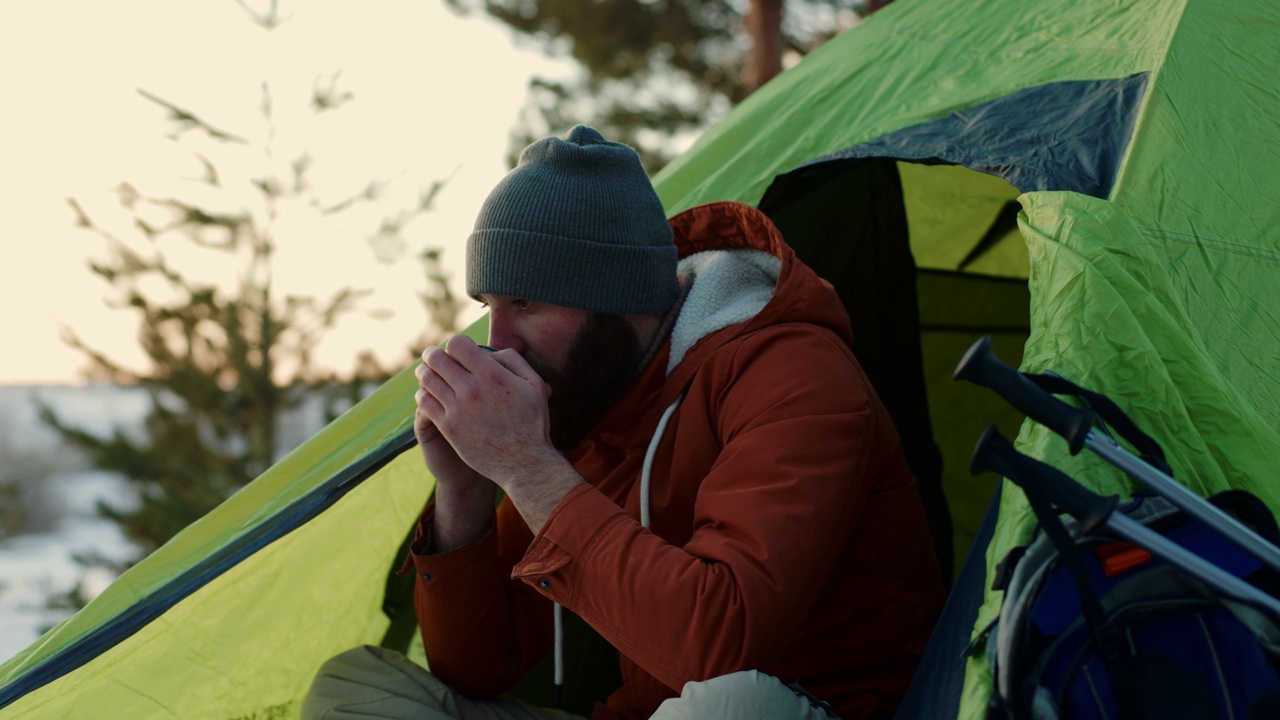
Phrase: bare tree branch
(189,120)
(269,19)
(328,97)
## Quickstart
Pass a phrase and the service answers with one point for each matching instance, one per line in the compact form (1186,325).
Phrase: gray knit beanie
(576,223)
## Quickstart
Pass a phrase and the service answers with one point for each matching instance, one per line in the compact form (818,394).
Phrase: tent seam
(1210,243)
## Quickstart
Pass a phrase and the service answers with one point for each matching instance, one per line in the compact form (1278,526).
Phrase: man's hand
(492,410)
(464,497)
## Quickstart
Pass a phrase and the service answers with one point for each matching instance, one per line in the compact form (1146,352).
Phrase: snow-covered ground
(38,566)
(35,566)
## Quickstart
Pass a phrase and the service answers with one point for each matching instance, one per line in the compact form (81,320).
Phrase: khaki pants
(372,682)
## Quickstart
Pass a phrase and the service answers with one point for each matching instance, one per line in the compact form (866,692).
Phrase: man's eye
(521,304)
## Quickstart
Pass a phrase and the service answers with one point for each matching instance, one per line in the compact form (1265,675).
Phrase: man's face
(588,360)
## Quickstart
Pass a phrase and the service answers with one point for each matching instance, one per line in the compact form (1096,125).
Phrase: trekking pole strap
(980,366)
(1111,414)
(1152,470)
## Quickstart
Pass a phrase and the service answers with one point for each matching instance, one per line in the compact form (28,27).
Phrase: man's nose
(503,334)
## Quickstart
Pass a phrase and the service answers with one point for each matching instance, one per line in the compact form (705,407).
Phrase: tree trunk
(764,29)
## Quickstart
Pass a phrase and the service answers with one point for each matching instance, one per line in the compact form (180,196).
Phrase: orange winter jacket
(785,531)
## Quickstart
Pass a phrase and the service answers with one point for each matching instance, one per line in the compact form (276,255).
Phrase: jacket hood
(741,276)
(744,277)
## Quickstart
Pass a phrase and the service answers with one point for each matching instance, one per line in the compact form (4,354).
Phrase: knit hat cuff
(596,277)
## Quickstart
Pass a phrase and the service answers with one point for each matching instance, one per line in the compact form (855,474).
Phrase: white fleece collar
(729,286)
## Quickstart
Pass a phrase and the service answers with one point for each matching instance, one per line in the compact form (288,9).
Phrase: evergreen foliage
(655,70)
(27,503)
(227,361)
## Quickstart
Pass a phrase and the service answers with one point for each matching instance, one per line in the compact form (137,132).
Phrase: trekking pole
(994,453)
(980,365)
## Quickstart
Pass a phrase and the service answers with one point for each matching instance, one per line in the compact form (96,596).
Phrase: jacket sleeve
(482,631)
(795,422)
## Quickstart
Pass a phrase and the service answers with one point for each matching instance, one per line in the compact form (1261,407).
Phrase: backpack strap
(1110,642)
(1110,413)
(1042,484)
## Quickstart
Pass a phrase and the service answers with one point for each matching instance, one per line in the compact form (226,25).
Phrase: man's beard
(602,363)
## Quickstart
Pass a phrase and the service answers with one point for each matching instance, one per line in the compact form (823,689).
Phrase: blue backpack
(1142,639)
(1164,606)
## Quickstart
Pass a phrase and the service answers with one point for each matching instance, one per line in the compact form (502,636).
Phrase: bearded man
(691,460)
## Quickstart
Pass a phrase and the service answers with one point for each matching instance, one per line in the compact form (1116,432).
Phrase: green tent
(1093,184)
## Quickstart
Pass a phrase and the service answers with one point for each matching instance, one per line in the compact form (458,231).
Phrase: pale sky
(434,96)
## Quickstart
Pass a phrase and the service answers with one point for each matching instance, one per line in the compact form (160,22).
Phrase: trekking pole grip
(994,453)
(981,367)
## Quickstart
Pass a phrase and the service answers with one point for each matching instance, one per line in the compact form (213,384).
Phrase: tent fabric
(229,650)
(936,689)
(913,61)
(1112,312)
(1031,138)
(1161,292)
(47,668)
(232,616)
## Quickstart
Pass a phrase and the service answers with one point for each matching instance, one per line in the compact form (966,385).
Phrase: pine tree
(656,71)
(226,361)
(27,500)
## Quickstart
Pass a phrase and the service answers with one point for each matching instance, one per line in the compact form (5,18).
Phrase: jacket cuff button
(426,576)
(545,584)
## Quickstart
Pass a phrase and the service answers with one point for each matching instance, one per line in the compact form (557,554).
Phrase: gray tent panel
(1057,136)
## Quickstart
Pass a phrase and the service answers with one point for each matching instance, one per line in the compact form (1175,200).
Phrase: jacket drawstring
(558,614)
(645,478)
(647,472)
